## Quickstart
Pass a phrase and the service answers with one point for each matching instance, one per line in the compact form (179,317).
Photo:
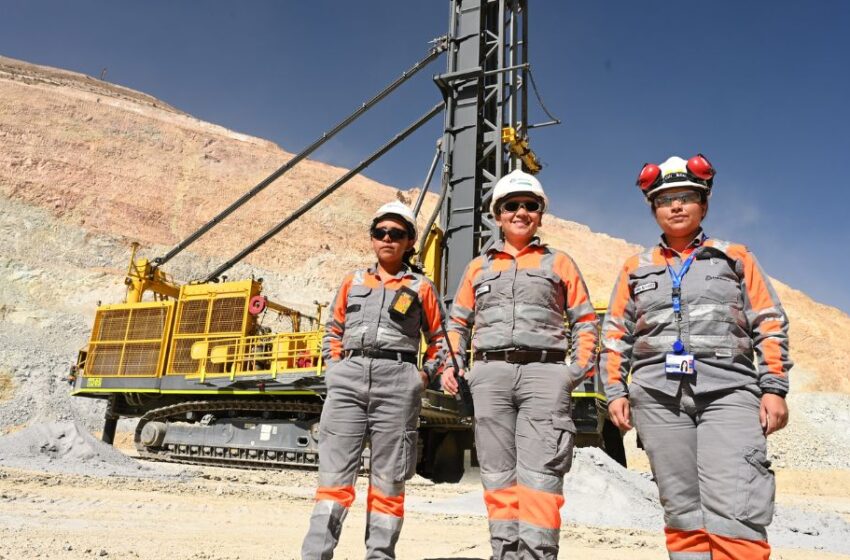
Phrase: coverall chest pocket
(651,288)
(540,287)
(410,321)
(720,283)
(355,308)
(486,288)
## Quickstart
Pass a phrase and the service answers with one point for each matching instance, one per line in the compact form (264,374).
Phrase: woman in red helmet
(698,324)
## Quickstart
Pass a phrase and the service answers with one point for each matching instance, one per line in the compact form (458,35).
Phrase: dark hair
(407,259)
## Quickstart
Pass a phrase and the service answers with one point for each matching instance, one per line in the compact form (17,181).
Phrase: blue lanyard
(677,280)
(678,345)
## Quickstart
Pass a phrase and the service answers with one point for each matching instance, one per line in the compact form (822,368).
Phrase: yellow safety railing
(269,354)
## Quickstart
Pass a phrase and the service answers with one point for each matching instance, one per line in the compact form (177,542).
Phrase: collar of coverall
(698,240)
(405,271)
(499,246)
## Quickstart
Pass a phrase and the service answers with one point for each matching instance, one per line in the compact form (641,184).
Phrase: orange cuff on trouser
(523,453)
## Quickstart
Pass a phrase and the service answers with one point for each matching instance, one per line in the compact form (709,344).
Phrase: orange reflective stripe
(727,548)
(617,309)
(380,502)
(333,334)
(586,342)
(760,299)
(540,509)
(433,319)
(577,296)
(502,504)
(687,541)
(658,258)
(343,495)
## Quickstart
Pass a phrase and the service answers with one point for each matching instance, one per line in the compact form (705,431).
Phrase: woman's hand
(449,382)
(619,413)
(773,413)
(425,379)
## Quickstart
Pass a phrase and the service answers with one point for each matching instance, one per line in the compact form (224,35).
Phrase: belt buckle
(509,356)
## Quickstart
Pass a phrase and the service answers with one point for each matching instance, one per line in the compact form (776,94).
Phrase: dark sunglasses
(395,234)
(515,205)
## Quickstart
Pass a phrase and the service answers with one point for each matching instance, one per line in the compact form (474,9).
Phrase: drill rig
(212,385)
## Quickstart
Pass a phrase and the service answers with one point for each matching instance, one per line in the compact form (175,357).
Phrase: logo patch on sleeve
(482,290)
(645,287)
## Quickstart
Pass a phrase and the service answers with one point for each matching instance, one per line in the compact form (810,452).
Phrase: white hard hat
(515,182)
(696,172)
(398,210)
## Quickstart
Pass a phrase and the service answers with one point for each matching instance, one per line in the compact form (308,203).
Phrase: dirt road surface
(181,513)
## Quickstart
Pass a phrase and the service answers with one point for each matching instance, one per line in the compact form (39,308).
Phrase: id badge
(679,364)
(402,302)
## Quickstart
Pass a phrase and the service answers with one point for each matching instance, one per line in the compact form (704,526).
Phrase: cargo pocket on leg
(756,489)
(407,458)
(563,442)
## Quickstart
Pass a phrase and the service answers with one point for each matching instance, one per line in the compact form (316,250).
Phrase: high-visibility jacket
(731,322)
(522,302)
(361,317)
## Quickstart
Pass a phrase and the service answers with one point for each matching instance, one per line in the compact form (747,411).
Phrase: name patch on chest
(645,287)
(482,290)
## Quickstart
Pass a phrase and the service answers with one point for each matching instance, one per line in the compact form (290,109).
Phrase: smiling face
(520,226)
(388,251)
(679,218)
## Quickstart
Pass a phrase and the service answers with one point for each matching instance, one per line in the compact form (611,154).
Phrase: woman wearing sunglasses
(518,296)
(698,324)
(374,387)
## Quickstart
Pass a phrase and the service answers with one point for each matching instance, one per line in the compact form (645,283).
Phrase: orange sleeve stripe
(343,495)
(772,354)
(342,300)
(586,347)
(617,310)
(465,295)
(687,541)
(757,290)
(338,314)
(380,502)
(433,317)
(567,270)
(761,299)
(502,504)
(540,509)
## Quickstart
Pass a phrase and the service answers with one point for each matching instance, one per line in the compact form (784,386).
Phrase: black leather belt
(408,357)
(522,356)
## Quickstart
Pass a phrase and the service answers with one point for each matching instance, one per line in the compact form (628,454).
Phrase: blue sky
(762,88)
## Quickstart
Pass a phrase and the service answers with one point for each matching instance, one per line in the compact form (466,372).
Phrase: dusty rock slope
(86,167)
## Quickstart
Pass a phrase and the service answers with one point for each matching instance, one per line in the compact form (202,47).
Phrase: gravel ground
(599,492)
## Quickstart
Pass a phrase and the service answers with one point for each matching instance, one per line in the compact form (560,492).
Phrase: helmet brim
(676,185)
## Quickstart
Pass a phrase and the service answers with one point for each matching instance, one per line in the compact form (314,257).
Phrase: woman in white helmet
(703,334)
(518,296)
(371,346)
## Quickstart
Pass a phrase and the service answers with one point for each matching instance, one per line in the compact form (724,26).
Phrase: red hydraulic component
(257,305)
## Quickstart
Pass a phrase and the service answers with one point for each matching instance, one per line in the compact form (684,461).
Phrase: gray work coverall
(374,393)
